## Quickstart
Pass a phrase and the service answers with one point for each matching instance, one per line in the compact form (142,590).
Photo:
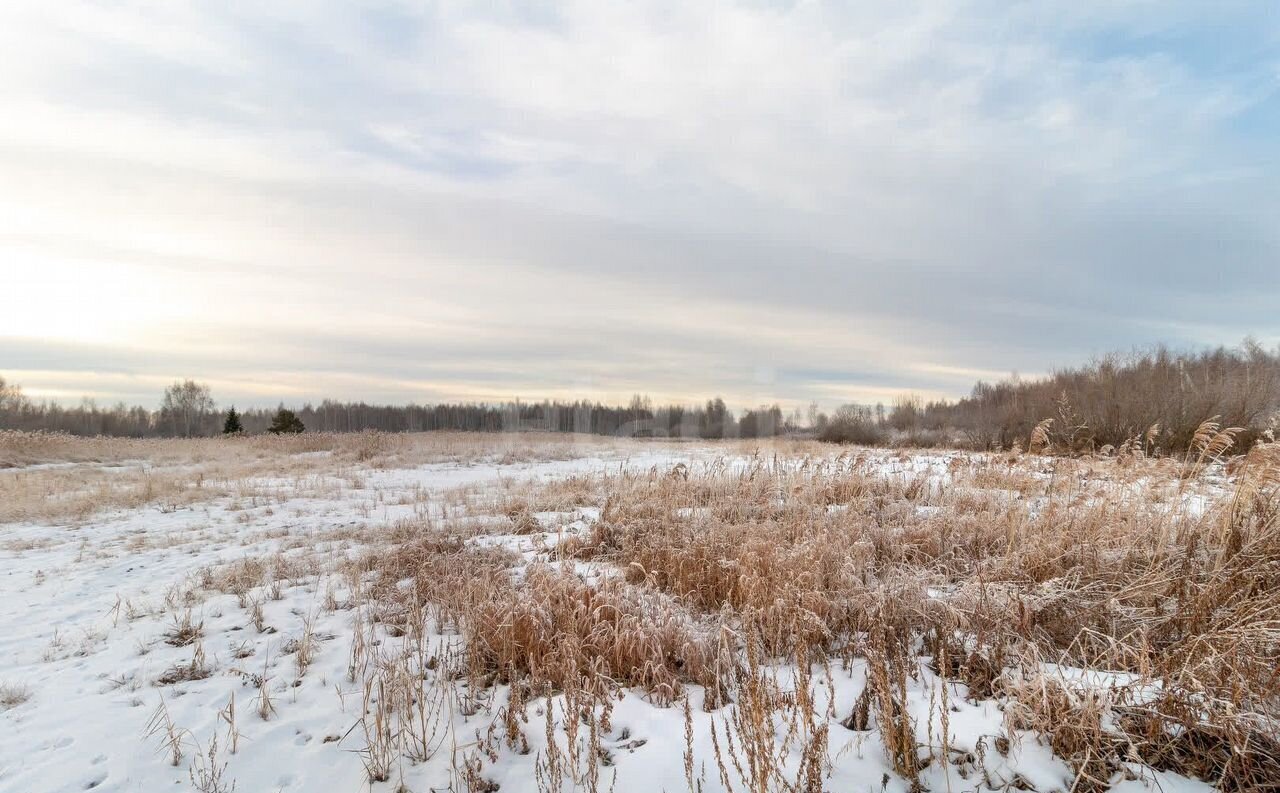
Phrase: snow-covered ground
(84,612)
(107,680)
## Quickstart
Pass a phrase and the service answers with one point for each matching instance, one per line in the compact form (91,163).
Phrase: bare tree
(11,397)
(186,406)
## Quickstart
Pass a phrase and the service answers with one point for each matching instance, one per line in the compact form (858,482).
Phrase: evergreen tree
(232,426)
(285,421)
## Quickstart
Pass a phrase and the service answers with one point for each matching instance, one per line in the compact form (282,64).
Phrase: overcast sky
(766,200)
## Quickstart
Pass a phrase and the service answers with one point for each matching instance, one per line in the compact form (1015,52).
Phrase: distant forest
(1160,394)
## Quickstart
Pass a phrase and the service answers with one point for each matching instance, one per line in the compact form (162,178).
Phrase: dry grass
(549,625)
(51,477)
(13,694)
(376,449)
(985,574)
(991,571)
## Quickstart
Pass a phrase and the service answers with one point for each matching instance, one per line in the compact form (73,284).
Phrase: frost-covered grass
(547,613)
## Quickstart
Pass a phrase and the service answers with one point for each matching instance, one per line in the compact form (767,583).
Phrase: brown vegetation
(1122,609)
(59,477)
(1111,401)
(991,571)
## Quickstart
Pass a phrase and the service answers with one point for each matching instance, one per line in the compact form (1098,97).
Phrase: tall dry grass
(991,571)
(994,572)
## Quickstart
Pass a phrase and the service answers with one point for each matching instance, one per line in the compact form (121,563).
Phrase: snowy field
(185,619)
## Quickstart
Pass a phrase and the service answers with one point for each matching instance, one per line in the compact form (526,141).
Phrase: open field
(558,612)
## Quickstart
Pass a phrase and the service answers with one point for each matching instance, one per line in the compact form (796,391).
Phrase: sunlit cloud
(790,202)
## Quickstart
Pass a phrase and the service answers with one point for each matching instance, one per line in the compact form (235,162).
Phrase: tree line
(1104,402)
(1158,393)
(188,410)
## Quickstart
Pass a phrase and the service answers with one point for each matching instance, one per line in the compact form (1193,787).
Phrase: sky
(769,201)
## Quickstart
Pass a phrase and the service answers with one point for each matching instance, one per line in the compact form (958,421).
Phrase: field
(558,612)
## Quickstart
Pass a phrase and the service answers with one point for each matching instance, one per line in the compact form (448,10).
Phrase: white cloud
(668,197)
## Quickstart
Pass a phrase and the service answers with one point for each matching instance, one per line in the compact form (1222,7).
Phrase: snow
(86,612)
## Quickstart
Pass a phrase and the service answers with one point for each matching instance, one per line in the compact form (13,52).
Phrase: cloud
(786,201)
